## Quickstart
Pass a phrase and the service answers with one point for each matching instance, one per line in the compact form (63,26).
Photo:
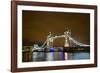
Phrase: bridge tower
(49,40)
(67,38)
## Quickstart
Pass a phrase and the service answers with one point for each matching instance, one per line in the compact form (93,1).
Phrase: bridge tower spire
(49,40)
(66,33)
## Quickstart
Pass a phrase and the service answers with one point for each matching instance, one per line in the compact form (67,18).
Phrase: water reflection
(80,55)
(58,55)
(54,56)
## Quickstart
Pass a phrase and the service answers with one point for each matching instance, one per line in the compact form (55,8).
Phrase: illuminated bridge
(69,41)
(71,50)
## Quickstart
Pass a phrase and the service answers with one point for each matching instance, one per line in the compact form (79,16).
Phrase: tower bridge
(68,41)
(63,53)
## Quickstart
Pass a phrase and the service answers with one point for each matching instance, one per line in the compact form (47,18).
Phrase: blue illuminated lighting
(52,49)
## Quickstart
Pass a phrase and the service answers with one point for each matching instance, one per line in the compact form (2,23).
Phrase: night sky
(37,25)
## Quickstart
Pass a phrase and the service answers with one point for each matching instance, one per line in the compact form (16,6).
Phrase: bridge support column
(66,39)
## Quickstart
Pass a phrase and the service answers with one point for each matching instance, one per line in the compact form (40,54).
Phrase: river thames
(54,54)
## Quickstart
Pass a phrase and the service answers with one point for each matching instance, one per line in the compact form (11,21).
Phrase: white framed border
(20,64)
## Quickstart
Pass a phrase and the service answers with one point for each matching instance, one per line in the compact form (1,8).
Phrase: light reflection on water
(80,55)
(56,56)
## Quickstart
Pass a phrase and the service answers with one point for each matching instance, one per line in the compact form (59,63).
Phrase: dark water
(61,55)
(54,56)
(80,55)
